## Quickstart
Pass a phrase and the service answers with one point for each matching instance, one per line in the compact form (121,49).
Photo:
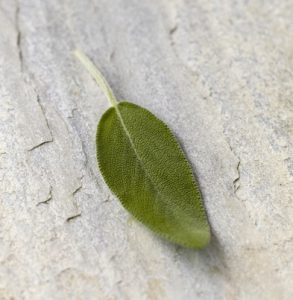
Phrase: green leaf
(144,166)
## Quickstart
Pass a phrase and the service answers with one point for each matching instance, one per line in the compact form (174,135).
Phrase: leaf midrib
(140,160)
(134,149)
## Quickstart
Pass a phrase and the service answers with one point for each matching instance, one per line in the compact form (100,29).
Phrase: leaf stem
(97,75)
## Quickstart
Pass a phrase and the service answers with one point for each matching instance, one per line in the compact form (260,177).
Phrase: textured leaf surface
(144,166)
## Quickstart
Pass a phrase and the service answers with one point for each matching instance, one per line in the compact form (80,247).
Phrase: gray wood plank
(219,73)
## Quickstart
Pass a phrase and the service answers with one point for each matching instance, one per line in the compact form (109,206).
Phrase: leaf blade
(153,179)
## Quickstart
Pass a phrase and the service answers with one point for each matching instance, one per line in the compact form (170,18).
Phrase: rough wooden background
(220,73)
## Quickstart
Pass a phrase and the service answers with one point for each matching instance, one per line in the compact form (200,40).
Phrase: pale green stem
(101,81)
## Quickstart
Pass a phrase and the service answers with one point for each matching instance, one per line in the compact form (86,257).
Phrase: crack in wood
(39,145)
(77,190)
(236,181)
(69,219)
(18,35)
(48,199)
(51,139)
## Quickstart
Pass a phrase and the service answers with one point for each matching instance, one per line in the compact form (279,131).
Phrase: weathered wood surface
(220,73)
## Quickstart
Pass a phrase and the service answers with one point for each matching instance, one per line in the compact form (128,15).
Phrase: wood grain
(219,73)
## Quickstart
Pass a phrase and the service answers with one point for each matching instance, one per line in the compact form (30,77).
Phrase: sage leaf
(145,167)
